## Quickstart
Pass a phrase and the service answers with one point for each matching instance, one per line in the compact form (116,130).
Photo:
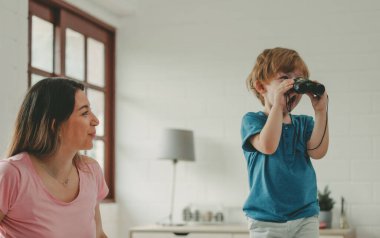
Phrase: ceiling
(120,8)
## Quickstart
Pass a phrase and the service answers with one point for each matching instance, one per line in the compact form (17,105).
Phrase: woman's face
(78,132)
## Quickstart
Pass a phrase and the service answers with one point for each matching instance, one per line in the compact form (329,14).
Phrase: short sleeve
(252,124)
(101,183)
(309,126)
(9,185)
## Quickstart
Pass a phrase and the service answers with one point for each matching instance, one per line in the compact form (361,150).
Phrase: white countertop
(223,228)
(239,228)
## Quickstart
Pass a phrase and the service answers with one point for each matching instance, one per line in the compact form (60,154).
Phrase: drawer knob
(181,233)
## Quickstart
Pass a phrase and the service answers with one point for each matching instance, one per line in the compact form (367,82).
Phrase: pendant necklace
(66,181)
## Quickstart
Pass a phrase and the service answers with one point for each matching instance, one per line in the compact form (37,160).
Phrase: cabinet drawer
(179,235)
(331,236)
(240,235)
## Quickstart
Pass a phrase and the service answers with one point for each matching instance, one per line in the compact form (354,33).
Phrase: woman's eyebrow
(84,106)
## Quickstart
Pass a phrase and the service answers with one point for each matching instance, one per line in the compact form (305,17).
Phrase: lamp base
(168,222)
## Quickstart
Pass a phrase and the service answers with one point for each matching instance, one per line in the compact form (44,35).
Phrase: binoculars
(302,85)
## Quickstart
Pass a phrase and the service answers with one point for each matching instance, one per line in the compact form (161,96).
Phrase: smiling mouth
(292,99)
(290,102)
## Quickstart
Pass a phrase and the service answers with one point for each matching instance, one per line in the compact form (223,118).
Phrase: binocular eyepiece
(302,85)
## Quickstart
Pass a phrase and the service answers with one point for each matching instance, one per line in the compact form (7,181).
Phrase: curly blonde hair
(271,62)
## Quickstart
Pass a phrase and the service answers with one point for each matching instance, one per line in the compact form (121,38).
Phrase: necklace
(65,182)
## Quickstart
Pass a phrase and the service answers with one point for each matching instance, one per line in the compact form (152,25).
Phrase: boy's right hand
(280,91)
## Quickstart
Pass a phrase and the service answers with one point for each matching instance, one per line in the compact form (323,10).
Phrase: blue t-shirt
(283,185)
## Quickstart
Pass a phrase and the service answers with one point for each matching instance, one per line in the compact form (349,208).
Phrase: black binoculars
(302,85)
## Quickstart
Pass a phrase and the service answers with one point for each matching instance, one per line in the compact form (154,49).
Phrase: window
(66,42)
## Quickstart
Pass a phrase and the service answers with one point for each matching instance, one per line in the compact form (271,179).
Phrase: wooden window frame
(64,15)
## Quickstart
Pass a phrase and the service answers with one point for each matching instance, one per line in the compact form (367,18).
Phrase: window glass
(42,44)
(96,99)
(97,152)
(36,78)
(74,54)
(95,62)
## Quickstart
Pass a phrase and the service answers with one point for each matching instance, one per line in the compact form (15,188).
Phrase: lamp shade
(177,144)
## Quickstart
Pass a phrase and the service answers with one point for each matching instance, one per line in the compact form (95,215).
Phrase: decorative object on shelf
(187,215)
(177,145)
(343,221)
(219,217)
(326,204)
(203,214)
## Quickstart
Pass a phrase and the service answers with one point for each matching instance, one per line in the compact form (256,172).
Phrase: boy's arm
(268,139)
(320,108)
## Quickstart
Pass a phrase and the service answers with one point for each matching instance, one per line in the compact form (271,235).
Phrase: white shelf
(228,230)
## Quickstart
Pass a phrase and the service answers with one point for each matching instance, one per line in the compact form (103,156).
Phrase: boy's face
(272,86)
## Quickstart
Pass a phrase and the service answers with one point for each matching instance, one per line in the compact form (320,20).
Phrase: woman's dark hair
(46,106)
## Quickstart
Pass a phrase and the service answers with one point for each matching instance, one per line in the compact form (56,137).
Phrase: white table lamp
(177,144)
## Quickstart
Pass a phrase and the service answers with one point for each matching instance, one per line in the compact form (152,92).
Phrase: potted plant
(326,204)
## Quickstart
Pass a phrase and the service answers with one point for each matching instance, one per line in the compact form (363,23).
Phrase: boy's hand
(319,103)
(279,96)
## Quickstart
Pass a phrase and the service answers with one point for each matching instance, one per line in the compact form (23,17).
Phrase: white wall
(13,64)
(184,63)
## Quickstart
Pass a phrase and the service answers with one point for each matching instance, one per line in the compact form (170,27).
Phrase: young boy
(277,146)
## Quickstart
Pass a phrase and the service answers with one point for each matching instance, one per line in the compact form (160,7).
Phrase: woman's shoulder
(7,167)
(89,162)
(14,163)
(13,168)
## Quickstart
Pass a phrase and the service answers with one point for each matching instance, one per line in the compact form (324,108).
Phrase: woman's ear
(52,126)
(259,86)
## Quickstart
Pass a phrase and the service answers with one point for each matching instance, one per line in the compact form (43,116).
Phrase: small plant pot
(326,217)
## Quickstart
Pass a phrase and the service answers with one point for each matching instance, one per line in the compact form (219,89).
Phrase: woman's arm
(98,221)
(2,215)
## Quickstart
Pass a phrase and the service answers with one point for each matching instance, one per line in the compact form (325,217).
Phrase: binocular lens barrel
(302,85)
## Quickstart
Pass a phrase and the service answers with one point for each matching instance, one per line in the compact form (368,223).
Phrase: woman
(47,189)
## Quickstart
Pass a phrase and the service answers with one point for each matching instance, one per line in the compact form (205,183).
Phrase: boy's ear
(259,86)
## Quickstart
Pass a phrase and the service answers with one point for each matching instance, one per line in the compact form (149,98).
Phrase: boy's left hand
(319,103)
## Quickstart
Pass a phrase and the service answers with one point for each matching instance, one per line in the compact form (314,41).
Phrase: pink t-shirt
(32,212)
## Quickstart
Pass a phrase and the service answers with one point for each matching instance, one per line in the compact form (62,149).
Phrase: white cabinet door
(207,235)
(331,236)
(179,235)
(240,235)
(149,235)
